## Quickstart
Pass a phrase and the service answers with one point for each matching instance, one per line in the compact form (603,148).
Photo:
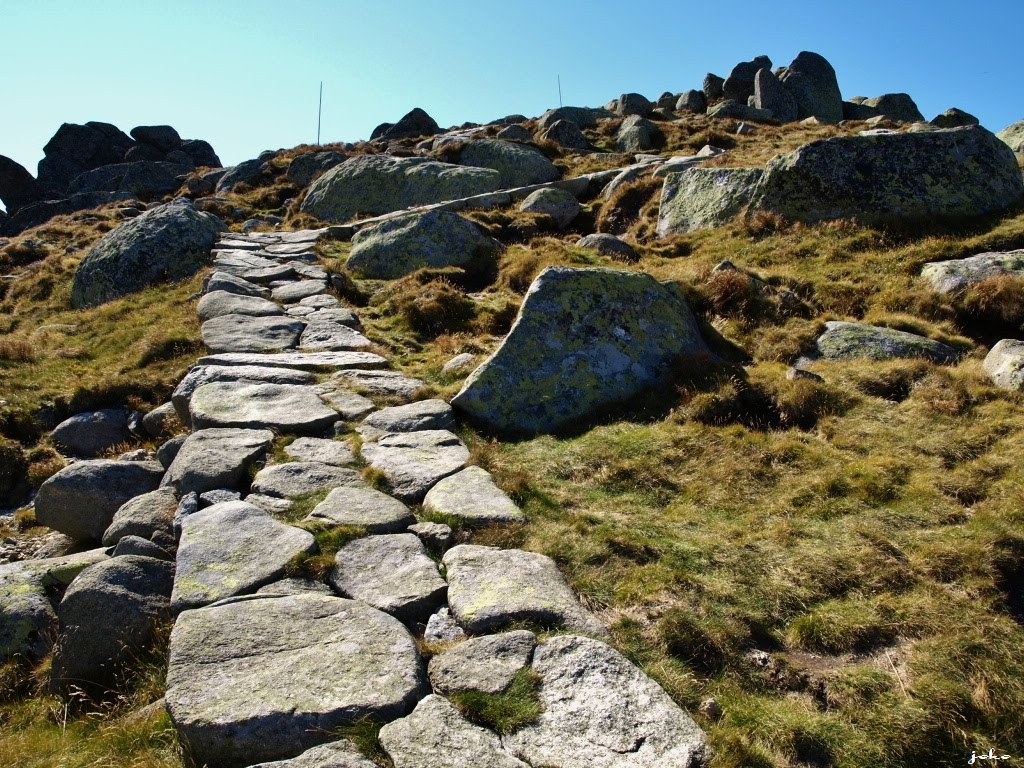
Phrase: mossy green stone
(376,184)
(895,178)
(584,339)
(702,198)
(849,341)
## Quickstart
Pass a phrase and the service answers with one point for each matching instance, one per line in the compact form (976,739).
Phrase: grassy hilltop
(839,564)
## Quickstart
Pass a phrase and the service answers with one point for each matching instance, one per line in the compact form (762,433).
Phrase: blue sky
(245,75)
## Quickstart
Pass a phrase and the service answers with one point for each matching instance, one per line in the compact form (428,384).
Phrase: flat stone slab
(81,499)
(1005,364)
(435,731)
(384,383)
(336,452)
(264,678)
(414,417)
(471,497)
(216,458)
(241,333)
(956,275)
(337,754)
(298,290)
(300,360)
(295,586)
(300,478)
(225,281)
(601,711)
(489,663)
(219,303)
(391,572)
(28,622)
(363,507)
(237,262)
(271,275)
(413,462)
(342,315)
(850,341)
(328,335)
(252,374)
(282,407)
(320,301)
(230,549)
(490,587)
(346,402)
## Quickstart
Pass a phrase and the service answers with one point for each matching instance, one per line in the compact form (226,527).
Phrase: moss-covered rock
(701,198)
(896,178)
(169,242)
(399,247)
(584,339)
(376,184)
(849,341)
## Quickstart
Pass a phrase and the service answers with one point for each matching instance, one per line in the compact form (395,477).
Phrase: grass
(504,712)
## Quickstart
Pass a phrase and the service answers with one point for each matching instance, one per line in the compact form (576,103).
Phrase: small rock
(301,478)
(135,546)
(436,537)
(160,421)
(149,516)
(1005,364)
(216,458)
(608,245)
(711,709)
(487,664)
(90,434)
(560,205)
(442,628)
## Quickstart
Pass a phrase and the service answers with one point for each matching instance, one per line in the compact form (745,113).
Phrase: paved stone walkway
(264,666)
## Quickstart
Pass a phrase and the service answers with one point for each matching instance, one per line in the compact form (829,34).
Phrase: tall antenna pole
(559,90)
(319,112)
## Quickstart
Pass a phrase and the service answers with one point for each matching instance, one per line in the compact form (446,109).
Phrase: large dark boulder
(811,80)
(163,137)
(75,149)
(739,85)
(896,106)
(415,123)
(771,94)
(169,242)
(895,178)
(17,187)
(145,180)
(202,153)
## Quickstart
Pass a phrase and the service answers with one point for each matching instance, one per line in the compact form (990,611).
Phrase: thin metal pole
(559,90)
(319,112)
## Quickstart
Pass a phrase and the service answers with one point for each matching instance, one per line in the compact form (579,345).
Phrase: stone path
(268,668)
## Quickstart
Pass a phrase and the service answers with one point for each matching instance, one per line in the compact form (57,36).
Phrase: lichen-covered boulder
(771,94)
(169,242)
(849,341)
(376,184)
(518,164)
(956,275)
(584,339)
(396,248)
(811,81)
(893,178)
(702,198)
(1005,364)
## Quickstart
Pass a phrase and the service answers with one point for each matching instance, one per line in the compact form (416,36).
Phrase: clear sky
(245,75)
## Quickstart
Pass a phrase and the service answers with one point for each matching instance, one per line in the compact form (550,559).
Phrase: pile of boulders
(85,166)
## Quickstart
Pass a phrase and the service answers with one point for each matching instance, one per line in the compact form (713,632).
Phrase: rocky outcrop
(893,178)
(895,106)
(375,184)
(811,81)
(434,239)
(770,94)
(519,165)
(414,123)
(584,339)
(17,187)
(702,198)
(169,242)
